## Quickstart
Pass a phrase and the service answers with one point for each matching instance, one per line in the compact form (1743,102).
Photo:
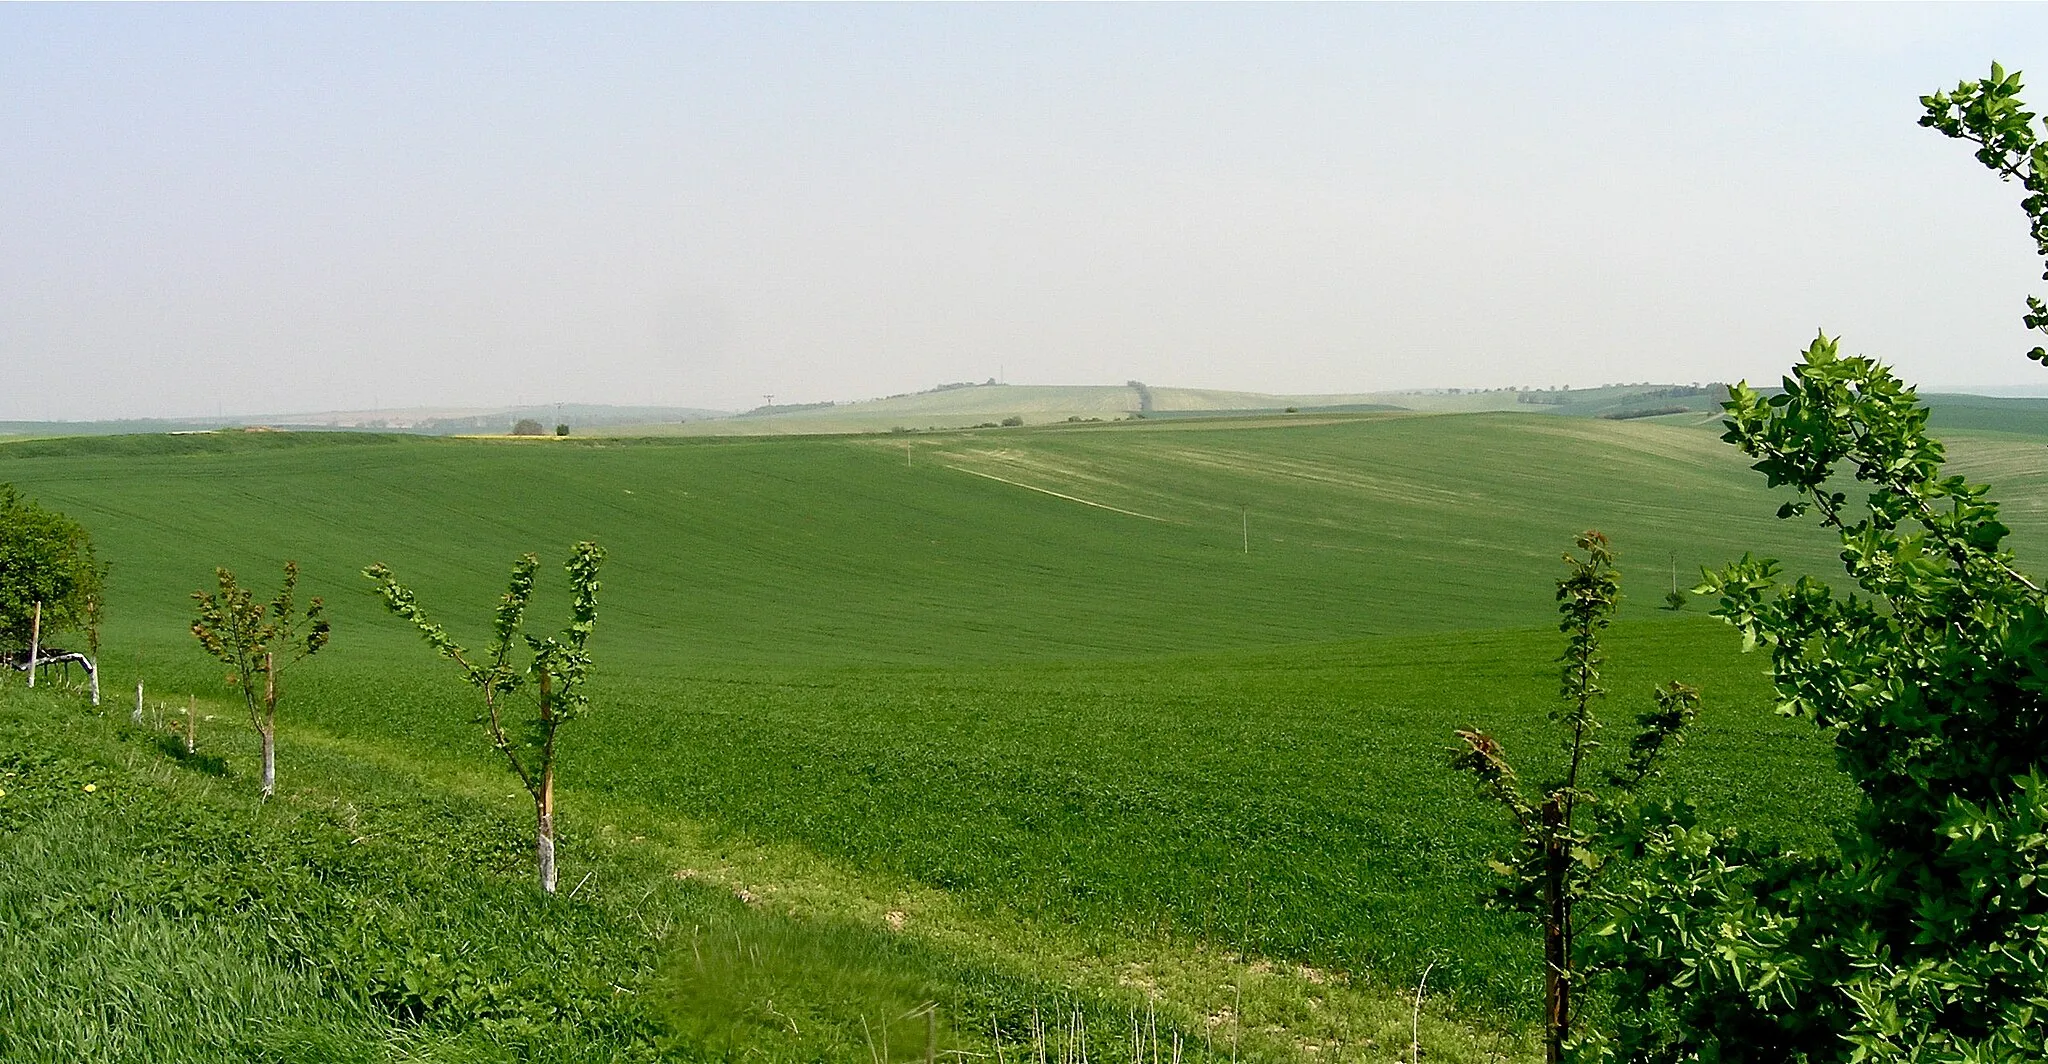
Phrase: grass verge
(151,908)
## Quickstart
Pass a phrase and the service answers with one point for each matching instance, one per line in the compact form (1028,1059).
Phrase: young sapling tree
(257,641)
(1556,860)
(1674,599)
(552,678)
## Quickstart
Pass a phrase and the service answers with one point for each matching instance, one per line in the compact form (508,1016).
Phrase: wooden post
(192,724)
(1557,987)
(35,636)
(1246,515)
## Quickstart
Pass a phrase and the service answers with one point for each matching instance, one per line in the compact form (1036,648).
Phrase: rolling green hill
(1079,542)
(1133,690)
(976,405)
(1977,413)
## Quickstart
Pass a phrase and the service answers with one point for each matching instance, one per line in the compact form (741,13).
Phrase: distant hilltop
(991,405)
(987,404)
(434,421)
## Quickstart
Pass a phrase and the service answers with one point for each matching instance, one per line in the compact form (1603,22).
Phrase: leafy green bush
(1925,937)
(45,557)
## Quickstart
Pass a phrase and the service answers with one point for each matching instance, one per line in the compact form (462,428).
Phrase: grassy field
(1088,716)
(1081,542)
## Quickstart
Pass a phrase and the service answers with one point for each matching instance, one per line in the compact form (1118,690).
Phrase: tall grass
(152,909)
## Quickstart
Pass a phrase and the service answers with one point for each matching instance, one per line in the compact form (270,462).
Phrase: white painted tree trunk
(269,729)
(92,669)
(136,717)
(544,798)
(35,637)
(544,848)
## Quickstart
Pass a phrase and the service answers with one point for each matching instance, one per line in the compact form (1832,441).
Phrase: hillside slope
(1031,670)
(1034,673)
(1091,541)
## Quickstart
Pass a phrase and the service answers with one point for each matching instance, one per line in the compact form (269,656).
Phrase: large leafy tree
(1924,937)
(45,557)
(1989,114)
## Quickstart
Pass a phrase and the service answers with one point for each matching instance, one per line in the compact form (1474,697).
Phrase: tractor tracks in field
(1061,495)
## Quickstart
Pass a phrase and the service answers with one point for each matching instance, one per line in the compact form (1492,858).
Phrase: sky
(251,209)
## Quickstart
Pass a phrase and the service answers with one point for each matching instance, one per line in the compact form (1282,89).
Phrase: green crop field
(1146,717)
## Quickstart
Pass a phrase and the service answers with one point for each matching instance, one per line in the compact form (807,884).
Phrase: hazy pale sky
(264,209)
